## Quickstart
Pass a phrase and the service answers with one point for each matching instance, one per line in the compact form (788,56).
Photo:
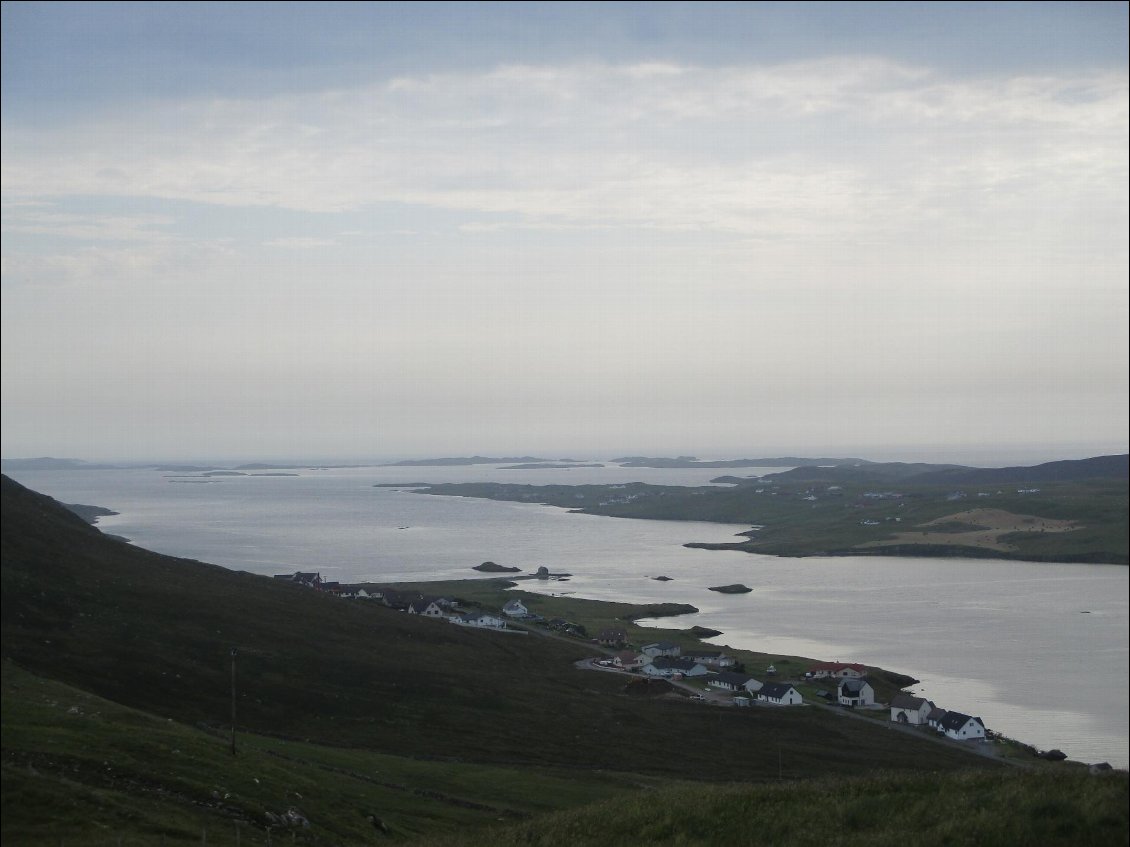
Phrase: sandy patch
(996,523)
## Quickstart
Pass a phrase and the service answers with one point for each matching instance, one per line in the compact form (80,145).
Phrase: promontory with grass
(1067,511)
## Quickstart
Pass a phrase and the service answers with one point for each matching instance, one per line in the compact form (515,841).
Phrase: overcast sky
(317,230)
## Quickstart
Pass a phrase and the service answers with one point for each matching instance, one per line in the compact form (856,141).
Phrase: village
(701,675)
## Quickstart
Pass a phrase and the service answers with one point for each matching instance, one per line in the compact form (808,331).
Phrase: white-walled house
(628,660)
(855,692)
(962,727)
(430,607)
(515,608)
(779,694)
(906,708)
(661,648)
(840,670)
(664,666)
(479,619)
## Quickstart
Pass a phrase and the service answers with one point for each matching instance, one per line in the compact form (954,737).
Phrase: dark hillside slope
(154,632)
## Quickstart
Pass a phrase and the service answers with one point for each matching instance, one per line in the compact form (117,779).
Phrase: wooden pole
(233,701)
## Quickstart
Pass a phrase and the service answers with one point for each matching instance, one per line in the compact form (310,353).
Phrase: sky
(270,230)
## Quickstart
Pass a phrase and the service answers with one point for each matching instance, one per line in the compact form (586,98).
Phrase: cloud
(831,148)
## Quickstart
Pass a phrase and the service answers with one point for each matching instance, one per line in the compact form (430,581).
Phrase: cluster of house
(666,660)
(854,691)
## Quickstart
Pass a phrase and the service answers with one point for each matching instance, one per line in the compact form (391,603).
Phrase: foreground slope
(155,633)
(884,811)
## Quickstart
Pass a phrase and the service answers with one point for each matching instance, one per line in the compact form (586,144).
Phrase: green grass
(884,811)
(79,768)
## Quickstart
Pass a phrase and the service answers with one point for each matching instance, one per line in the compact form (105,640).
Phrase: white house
(910,710)
(935,718)
(662,648)
(627,660)
(840,670)
(779,694)
(855,692)
(712,658)
(515,608)
(479,619)
(728,681)
(428,606)
(962,727)
(664,666)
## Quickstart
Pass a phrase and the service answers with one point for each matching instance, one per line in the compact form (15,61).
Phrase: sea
(1039,651)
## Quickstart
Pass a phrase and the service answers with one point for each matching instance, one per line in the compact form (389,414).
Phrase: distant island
(538,466)
(462,460)
(1066,511)
(736,588)
(492,567)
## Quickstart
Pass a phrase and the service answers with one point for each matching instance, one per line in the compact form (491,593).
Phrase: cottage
(855,692)
(712,658)
(515,608)
(962,727)
(729,681)
(934,719)
(662,648)
(612,637)
(664,666)
(908,709)
(779,694)
(840,670)
(481,620)
(431,607)
(627,660)
(309,580)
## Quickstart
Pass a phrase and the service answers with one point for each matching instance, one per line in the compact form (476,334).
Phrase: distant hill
(692,462)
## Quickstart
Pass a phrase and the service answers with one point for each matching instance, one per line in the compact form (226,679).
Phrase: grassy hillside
(117,700)
(885,811)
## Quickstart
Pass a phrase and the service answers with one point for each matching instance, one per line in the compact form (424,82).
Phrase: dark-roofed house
(515,608)
(729,681)
(711,658)
(612,637)
(934,719)
(662,648)
(431,607)
(908,709)
(779,694)
(962,727)
(665,666)
(479,619)
(312,579)
(855,692)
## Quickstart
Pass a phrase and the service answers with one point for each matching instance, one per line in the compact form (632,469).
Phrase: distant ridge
(454,461)
(1071,470)
(692,462)
(48,463)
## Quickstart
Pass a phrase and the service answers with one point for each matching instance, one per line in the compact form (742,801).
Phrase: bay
(1039,651)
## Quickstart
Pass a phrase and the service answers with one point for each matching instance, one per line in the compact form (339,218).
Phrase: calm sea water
(1039,651)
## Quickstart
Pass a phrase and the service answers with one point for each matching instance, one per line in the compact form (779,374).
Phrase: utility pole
(233,701)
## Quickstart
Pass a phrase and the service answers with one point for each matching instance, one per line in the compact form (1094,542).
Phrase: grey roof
(775,690)
(662,645)
(731,678)
(936,714)
(853,686)
(956,720)
(675,664)
(907,701)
